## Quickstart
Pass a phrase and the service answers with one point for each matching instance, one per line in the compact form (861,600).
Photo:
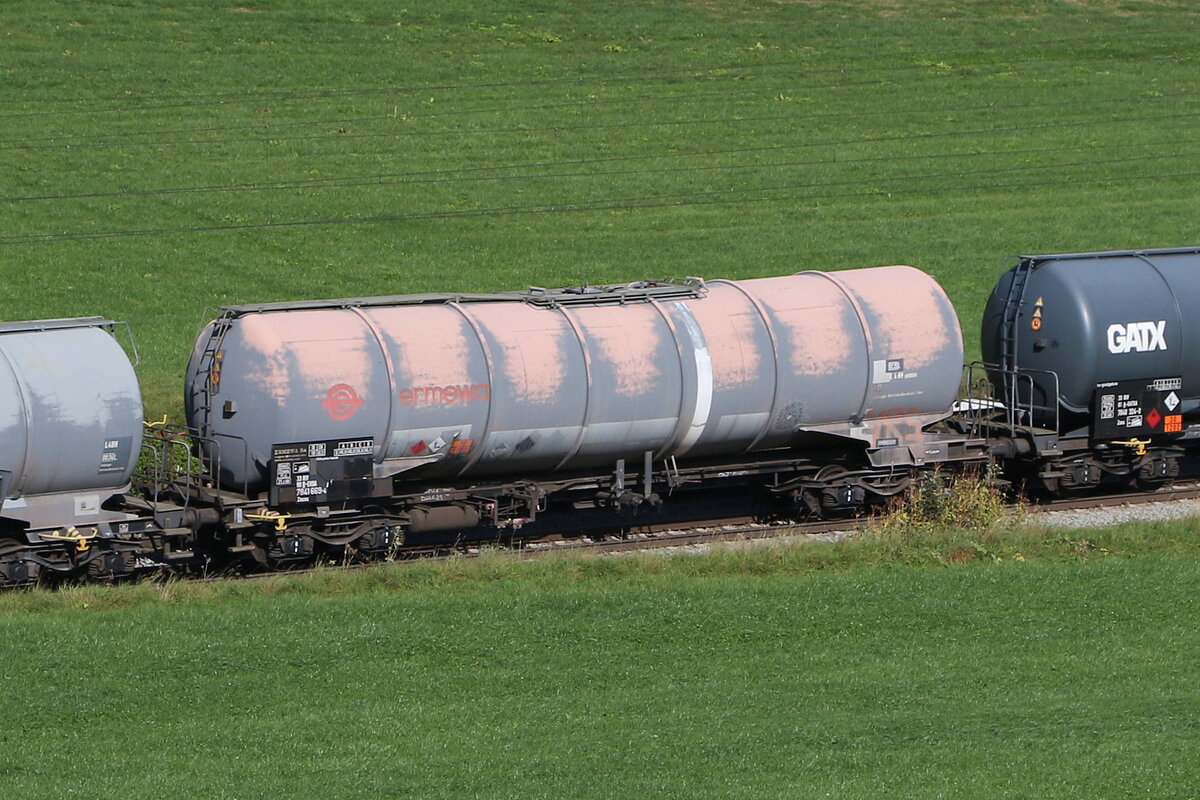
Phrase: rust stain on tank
(627,338)
(313,349)
(533,356)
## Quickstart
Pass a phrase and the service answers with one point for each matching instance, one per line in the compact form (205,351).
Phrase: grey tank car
(70,433)
(70,417)
(535,383)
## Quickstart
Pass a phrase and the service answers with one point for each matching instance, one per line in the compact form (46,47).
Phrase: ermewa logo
(446,395)
(1137,337)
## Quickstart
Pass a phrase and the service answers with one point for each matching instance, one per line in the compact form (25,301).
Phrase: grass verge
(888,546)
(878,667)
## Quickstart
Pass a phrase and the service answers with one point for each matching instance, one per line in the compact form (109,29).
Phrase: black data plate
(321,472)
(1137,409)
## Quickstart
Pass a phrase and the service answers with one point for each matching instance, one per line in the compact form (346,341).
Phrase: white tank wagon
(70,415)
(326,400)
(70,434)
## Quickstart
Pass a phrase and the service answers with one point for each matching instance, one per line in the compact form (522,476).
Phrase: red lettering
(451,394)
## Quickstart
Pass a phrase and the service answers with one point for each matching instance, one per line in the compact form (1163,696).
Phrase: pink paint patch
(913,317)
(532,349)
(627,339)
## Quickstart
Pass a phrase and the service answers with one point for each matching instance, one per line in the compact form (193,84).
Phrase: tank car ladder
(210,366)
(1020,416)
(1008,337)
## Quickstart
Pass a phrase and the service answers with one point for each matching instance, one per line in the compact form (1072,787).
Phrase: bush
(937,501)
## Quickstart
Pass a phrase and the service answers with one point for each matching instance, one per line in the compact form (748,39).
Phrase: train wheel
(14,569)
(283,550)
(1052,487)
(1072,478)
(112,565)
(839,495)
(1156,473)
(380,542)
(809,501)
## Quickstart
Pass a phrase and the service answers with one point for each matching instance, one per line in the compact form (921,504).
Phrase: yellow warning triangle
(1040,302)
(1037,313)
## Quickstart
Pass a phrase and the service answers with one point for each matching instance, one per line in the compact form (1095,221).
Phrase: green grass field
(159,159)
(1049,666)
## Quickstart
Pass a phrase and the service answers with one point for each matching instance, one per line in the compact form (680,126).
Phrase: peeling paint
(814,318)
(908,313)
(736,336)
(430,345)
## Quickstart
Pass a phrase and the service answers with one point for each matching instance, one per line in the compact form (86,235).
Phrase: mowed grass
(778,672)
(159,159)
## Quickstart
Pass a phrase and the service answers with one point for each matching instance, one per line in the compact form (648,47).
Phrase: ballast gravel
(1116,515)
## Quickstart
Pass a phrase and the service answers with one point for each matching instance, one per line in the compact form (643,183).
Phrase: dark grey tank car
(1106,340)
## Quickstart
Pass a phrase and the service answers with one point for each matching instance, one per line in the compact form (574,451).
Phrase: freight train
(354,427)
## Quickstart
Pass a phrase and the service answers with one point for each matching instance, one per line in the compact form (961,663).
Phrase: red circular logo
(342,401)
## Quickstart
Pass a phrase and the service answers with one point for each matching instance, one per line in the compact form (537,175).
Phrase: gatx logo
(1137,337)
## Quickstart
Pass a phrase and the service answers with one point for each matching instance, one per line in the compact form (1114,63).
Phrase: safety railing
(1025,399)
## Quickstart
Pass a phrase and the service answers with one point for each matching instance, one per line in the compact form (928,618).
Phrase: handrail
(1018,389)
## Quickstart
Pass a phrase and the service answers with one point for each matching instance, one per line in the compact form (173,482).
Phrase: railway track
(712,531)
(745,528)
(1186,491)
